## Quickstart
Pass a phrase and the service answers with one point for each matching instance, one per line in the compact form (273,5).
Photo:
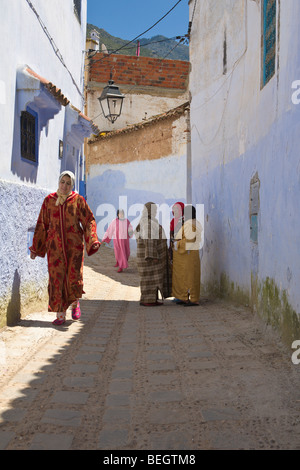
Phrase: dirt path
(130,377)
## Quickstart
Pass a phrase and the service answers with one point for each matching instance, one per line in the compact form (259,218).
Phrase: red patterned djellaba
(60,233)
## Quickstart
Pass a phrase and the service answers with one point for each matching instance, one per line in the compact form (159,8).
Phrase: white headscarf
(69,173)
(62,197)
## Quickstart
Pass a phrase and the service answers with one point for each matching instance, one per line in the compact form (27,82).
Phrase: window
(77,9)
(269,40)
(60,149)
(29,136)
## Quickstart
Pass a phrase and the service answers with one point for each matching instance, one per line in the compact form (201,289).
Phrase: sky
(127,19)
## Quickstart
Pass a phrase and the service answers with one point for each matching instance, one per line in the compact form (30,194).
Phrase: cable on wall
(228,77)
(54,46)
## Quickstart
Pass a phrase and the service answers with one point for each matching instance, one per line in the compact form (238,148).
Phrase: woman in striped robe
(152,258)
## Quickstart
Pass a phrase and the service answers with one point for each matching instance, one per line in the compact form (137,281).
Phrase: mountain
(157,46)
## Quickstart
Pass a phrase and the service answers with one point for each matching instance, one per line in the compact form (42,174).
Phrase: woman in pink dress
(120,230)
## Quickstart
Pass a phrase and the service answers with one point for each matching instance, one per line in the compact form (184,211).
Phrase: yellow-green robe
(186,273)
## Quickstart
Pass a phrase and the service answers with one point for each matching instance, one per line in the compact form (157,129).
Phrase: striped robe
(60,233)
(154,276)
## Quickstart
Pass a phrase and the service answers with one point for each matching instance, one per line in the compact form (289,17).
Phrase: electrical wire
(194,9)
(192,19)
(136,85)
(173,48)
(230,78)
(154,42)
(181,40)
(54,46)
(144,32)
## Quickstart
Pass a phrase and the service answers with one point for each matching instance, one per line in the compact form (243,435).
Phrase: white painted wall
(137,106)
(130,185)
(23,41)
(239,129)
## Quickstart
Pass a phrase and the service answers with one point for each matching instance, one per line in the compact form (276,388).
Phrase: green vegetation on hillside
(157,46)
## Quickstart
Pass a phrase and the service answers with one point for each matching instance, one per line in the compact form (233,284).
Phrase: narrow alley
(134,378)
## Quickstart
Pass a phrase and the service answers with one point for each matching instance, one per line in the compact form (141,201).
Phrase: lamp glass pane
(104,106)
(114,105)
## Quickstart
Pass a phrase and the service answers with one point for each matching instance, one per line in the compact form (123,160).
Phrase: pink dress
(120,230)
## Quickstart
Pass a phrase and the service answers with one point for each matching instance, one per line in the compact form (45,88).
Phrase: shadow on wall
(14,306)
(107,188)
(107,193)
(24,170)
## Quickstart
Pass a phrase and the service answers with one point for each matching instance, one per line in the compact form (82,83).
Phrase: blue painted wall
(241,132)
(23,185)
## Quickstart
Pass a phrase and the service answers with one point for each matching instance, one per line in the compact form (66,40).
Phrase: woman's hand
(95,246)
(32,255)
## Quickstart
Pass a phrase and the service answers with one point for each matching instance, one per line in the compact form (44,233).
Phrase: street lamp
(111,101)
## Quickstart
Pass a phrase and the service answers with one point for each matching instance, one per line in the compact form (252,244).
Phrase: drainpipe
(189,161)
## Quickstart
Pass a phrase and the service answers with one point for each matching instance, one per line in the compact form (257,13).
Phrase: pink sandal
(58,322)
(76,312)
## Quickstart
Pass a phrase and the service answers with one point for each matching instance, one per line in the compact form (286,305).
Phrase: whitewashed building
(42,132)
(245,134)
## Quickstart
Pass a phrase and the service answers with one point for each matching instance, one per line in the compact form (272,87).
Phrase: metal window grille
(269,39)
(77,9)
(28,136)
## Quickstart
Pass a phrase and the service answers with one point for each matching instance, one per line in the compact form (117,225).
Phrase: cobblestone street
(130,377)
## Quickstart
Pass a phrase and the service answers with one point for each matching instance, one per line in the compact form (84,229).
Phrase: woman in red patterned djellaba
(64,223)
